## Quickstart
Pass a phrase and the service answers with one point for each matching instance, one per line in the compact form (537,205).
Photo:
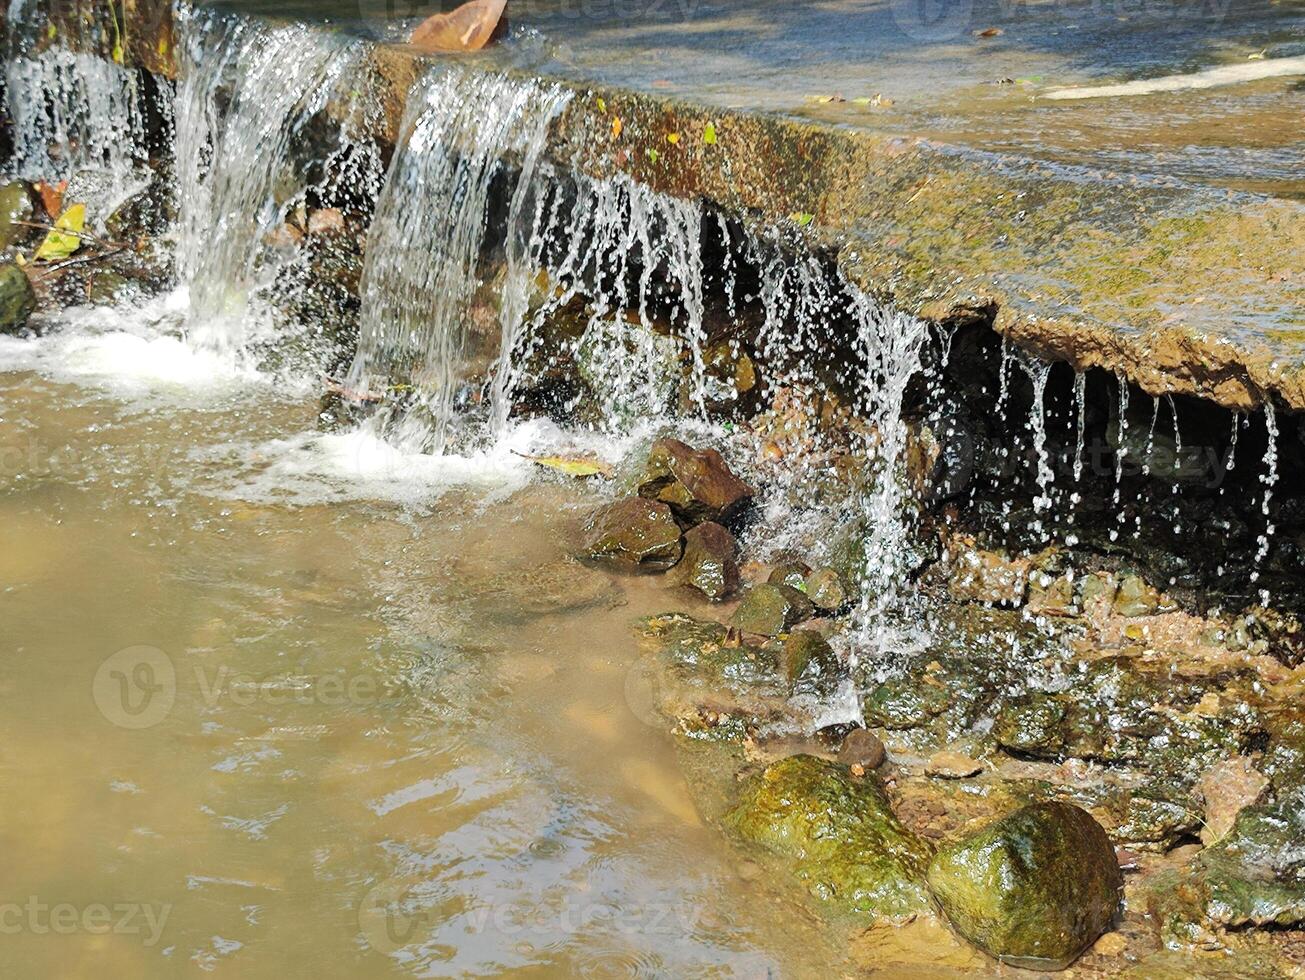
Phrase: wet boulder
(1256,874)
(826,589)
(710,562)
(1033,889)
(17,299)
(696,483)
(840,833)
(791,573)
(771,610)
(635,532)
(811,664)
(901,703)
(862,747)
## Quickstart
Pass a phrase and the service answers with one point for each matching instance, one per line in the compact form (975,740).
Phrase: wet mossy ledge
(1181,290)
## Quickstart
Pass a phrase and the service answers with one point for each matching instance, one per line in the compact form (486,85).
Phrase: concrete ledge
(1182,289)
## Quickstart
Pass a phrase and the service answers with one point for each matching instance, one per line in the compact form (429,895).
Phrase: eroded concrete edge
(1181,290)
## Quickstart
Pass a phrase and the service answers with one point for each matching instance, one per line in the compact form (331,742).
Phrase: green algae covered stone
(847,845)
(1034,889)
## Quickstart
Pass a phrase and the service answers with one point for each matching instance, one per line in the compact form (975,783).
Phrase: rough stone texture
(1034,889)
(635,532)
(840,833)
(17,300)
(1227,788)
(696,483)
(771,610)
(710,562)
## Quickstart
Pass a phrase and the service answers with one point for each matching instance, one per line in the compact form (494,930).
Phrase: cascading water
(427,236)
(248,94)
(73,115)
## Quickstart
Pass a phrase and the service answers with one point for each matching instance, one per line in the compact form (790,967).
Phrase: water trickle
(1080,398)
(248,95)
(1038,373)
(1232,443)
(1270,479)
(1150,436)
(1121,450)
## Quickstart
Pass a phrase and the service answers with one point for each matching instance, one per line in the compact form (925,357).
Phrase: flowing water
(334,735)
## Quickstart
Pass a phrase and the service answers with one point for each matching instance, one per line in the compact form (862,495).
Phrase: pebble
(862,748)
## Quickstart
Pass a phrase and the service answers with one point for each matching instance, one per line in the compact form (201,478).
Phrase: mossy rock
(1031,723)
(1033,889)
(841,834)
(811,664)
(15,214)
(770,610)
(1256,875)
(17,299)
(904,703)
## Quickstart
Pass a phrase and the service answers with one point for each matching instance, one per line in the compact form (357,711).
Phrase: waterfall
(247,97)
(461,132)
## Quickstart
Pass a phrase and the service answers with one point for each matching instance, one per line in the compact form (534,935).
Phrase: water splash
(421,274)
(248,95)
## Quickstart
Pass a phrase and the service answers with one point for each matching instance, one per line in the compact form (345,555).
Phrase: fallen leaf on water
(601,103)
(1258,55)
(617,126)
(579,467)
(672,138)
(51,196)
(827,98)
(801,218)
(875,99)
(467,28)
(64,238)
(989,32)
(709,134)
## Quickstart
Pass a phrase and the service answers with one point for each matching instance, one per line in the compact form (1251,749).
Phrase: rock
(771,610)
(15,208)
(863,748)
(636,532)
(790,573)
(696,483)
(104,287)
(17,299)
(1255,875)
(953,765)
(1031,723)
(710,562)
(1052,596)
(811,664)
(902,703)
(1227,788)
(826,590)
(1135,598)
(326,221)
(1034,889)
(988,576)
(842,836)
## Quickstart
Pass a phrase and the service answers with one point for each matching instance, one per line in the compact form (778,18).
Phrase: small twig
(45,270)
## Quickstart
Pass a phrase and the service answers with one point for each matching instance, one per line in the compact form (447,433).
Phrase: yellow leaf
(672,138)
(602,104)
(617,126)
(59,243)
(576,466)
(709,134)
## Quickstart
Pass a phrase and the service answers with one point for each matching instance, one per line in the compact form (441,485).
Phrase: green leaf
(118,53)
(709,134)
(652,154)
(801,218)
(602,104)
(52,32)
(59,243)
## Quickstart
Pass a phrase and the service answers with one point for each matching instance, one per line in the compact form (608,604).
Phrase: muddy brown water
(262,738)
